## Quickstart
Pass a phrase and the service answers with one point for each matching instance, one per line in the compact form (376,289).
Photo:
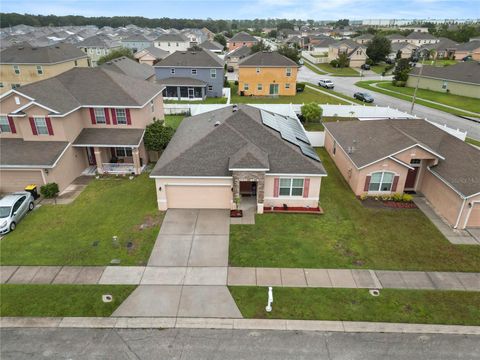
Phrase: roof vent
(216,123)
(234,108)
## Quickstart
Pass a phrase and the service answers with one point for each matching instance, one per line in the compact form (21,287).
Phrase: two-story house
(356,53)
(267,73)
(241,39)
(421,38)
(82,121)
(172,42)
(136,42)
(97,46)
(23,64)
(191,75)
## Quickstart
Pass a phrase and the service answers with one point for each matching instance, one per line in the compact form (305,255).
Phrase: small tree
(260,46)
(379,48)
(312,112)
(343,61)
(273,34)
(49,190)
(157,136)
(220,39)
(116,54)
(400,75)
(290,52)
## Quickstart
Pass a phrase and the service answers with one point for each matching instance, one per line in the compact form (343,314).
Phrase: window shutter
(306,187)
(114,117)
(367,183)
(49,126)
(129,119)
(32,125)
(276,187)
(12,125)
(107,116)
(395,183)
(92,116)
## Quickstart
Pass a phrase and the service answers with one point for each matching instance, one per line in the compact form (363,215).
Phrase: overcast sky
(251,9)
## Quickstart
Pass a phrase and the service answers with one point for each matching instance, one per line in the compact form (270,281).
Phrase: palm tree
(432,54)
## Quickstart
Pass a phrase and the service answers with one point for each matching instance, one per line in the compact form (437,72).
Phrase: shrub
(236,82)
(364,196)
(334,63)
(300,86)
(157,136)
(312,112)
(397,197)
(407,198)
(49,190)
(369,62)
(399,83)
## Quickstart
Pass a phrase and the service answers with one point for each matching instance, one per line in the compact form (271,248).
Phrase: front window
(245,87)
(121,116)
(381,181)
(172,71)
(16,69)
(210,88)
(99,52)
(123,152)
(100,116)
(288,72)
(41,125)
(213,73)
(287,86)
(258,70)
(259,87)
(4,124)
(291,187)
(39,70)
(194,71)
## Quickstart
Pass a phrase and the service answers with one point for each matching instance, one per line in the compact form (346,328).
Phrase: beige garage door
(474,218)
(198,197)
(16,180)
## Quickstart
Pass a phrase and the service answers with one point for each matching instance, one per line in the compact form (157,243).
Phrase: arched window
(381,181)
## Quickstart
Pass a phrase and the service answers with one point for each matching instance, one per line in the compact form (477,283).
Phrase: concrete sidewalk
(235,324)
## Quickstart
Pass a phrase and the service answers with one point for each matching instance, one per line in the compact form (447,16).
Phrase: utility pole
(416,88)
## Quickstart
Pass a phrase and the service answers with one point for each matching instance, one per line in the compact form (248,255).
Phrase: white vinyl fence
(317,138)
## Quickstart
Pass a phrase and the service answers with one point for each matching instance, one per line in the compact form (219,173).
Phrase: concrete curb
(233,324)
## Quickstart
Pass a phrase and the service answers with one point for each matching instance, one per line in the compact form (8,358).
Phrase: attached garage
(16,180)
(195,196)
(473,220)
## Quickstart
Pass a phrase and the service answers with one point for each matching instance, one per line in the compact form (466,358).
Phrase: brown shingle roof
(268,59)
(109,137)
(242,37)
(20,153)
(27,54)
(468,72)
(201,58)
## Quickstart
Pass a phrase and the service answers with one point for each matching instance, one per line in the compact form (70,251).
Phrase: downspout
(468,214)
(460,212)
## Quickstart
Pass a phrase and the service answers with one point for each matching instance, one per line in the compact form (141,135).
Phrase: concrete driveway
(190,259)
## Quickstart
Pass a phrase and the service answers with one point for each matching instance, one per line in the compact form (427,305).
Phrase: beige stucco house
(83,121)
(98,46)
(356,53)
(23,64)
(236,151)
(395,156)
(150,56)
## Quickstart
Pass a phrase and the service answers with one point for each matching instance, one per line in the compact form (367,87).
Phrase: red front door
(411,177)
(91,156)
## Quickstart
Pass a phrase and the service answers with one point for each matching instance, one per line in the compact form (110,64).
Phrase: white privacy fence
(462,135)
(313,59)
(317,138)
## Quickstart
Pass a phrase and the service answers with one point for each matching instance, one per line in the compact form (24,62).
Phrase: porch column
(136,161)
(98,159)
(203,93)
(260,192)
(178,93)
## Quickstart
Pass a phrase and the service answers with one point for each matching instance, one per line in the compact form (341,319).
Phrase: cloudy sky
(251,9)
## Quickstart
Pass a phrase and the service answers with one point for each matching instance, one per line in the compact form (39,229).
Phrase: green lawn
(403,306)
(441,62)
(352,99)
(307,96)
(405,93)
(314,68)
(208,100)
(348,71)
(81,233)
(472,141)
(60,300)
(348,235)
(173,120)
(379,69)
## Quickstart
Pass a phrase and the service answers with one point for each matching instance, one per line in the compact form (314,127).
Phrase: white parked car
(13,208)
(327,84)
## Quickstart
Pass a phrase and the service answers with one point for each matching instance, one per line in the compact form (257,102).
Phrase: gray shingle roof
(109,137)
(468,71)
(471,45)
(16,152)
(199,148)
(99,41)
(395,37)
(242,37)
(374,140)
(26,54)
(267,58)
(202,58)
(211,45)
(249,157)
(90,86)
(136,38)
(400,45)
(239,52)
(171,37)
(417,35)
(129,67)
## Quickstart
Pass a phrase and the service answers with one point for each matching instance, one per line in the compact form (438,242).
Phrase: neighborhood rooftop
(468,72)
(197,58)
(242,37)
(19,153)
(267,58)
(129,67)
(26,54)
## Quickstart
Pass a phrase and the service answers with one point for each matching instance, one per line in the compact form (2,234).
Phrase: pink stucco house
(82,121)
(394,156)
(235,151)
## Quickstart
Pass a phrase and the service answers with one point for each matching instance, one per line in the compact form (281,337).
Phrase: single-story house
(471,48)
(217,156)
(459,79)
(411,155)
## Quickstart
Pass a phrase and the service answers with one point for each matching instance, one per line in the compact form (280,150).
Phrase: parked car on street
(327,84)
(365,97)
(13,208)
(365,67)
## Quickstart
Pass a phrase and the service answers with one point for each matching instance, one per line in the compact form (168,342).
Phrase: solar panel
(309,151)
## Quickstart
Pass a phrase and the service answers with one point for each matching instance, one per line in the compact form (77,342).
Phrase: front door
(273,89)
(91,156)
(411,178)
(191,93)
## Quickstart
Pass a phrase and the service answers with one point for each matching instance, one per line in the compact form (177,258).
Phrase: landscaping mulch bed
(392,205)
(294,210)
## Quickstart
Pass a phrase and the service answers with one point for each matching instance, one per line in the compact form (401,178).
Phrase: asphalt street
(195,344)
(346,86)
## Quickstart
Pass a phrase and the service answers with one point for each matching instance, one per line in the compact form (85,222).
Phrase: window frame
(259,87)
(123,116)
(381,182)
(291,187)
(16,69)
(39,70)
(257,70)
(210,88)
(213,73)
(102,116)
(172,71)
(288,71)
(245,87)
(125,151)
(287,85)
(193,71)
(6,124)
(36,120)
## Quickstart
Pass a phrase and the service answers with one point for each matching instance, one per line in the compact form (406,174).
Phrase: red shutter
(114,117)
(49,126)
(395,183)
(129,119)
(107,116)
(32,125)
(276,187)
(13,129)
(306,187)
(367,183)
(92,116)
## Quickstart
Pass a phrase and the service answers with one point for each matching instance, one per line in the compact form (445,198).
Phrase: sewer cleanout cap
(107,298)
(374,292)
